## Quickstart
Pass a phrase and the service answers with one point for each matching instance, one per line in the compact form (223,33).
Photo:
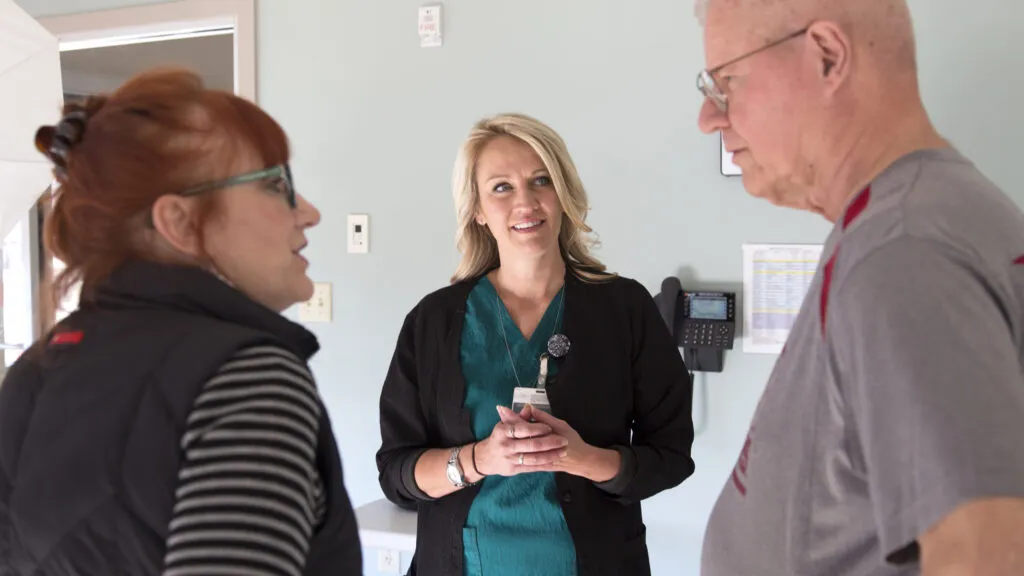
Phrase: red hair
(159,133)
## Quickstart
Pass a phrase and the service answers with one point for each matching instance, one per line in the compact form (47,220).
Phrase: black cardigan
(623,385)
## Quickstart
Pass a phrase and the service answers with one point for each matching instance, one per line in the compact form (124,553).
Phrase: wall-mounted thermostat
(358,233)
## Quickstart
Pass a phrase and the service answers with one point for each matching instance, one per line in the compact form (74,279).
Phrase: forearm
(973,563)
(600,465)
(982,538)
(431,471)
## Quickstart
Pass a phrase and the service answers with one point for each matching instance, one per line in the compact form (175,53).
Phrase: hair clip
(72,126)
(67,133)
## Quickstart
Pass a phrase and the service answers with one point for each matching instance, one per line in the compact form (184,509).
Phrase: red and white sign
(430,26)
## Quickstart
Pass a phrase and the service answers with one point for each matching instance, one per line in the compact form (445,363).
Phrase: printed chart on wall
(776,278)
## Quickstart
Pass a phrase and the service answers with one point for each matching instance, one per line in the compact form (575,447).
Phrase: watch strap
(456,467)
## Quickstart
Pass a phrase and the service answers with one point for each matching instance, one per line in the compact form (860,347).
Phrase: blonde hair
(476,243)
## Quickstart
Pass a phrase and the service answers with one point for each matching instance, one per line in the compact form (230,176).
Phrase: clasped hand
(531,441)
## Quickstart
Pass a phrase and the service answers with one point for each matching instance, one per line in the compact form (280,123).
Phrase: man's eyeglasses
(280,175)
(710,88)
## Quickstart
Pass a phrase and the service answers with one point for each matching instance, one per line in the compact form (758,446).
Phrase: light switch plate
(358,233)
(387,561)
(317,308)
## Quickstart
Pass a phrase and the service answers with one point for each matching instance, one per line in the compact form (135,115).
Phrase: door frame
(166,20)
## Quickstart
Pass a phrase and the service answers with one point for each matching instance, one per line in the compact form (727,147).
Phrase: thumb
(508,416)
(527,412)
(539,415)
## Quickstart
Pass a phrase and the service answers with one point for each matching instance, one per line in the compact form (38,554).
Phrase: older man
(890,437)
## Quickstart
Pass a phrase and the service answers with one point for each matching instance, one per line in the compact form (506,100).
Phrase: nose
(306,214)
(526,195)
(711,118)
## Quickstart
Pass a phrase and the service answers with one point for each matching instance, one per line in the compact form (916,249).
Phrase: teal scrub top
(515,524)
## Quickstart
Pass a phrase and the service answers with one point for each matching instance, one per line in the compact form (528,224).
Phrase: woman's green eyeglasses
(281,173)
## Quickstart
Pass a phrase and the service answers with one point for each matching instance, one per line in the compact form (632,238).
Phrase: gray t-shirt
(899,395)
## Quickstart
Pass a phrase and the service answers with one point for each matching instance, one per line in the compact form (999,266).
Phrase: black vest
(91,421)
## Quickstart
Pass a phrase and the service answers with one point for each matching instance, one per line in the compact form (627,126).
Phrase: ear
(174,219)
(832,51)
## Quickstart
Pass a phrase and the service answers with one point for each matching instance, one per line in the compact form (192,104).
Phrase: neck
(875,139)
(534,279)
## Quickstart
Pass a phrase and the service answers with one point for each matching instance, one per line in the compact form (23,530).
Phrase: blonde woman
(533,403)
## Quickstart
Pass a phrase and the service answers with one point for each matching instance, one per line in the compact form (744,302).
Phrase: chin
(775,192)
(755,186)
(538,249)
(305,290)
(294,293)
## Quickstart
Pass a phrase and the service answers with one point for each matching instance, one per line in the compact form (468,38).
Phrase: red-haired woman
(171,424)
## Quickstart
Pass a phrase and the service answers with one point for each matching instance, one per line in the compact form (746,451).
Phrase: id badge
(537,397)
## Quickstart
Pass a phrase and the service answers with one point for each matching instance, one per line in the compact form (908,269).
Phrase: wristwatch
(454,470)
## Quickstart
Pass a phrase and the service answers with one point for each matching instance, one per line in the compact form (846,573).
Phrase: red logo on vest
(73,337)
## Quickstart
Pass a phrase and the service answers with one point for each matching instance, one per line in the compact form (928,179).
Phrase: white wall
(376,120)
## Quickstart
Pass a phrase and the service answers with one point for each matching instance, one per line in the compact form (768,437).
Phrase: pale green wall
(375,122)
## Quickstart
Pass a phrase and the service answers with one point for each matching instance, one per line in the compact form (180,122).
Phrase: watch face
(453,475)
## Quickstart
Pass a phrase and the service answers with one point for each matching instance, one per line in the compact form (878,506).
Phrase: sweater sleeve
(663,408)
(404,434)
(249,495)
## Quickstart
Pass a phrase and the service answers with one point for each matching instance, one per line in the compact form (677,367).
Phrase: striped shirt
(249,496)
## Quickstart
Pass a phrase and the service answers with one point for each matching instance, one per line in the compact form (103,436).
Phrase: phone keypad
(707,334)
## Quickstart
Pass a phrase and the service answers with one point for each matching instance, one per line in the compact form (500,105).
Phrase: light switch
(317,308)
(358,233)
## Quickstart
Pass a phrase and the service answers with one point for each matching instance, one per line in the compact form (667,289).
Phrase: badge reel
(558,346)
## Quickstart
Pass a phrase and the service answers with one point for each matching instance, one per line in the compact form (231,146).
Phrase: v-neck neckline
(516,336)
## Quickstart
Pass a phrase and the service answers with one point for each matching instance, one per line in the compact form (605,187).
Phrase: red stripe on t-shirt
(826,284)
(739,483)
(739,472)
(857,206)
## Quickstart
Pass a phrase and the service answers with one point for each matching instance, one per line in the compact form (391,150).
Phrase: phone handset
(703,323)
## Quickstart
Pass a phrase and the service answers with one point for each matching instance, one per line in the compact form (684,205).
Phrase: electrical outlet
(387,561)
(317,308)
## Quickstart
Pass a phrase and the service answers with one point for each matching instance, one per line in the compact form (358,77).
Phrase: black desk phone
(703,323)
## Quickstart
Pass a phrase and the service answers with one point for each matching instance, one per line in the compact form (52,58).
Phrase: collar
(145,285)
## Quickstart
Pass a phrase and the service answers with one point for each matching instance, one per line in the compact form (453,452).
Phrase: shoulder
(266,354)
(619,303)
(267,381)
(434,314)
(269,369)
(267,362)
(934,202)
(451,298)
(917,288)
(616,288)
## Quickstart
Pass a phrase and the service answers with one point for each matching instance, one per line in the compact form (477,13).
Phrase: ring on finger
(521,459)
